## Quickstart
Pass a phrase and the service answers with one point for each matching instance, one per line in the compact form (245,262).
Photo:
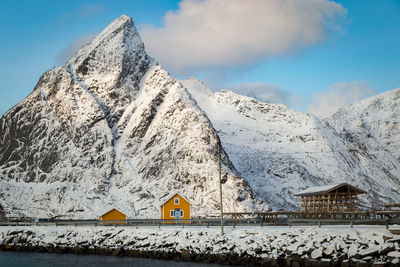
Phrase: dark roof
(320,190)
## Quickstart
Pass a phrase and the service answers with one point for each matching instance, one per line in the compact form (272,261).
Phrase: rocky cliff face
(112,128)
(281,151)
(373,122)
(373,126)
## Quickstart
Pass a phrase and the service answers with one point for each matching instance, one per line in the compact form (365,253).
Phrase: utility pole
(220,190)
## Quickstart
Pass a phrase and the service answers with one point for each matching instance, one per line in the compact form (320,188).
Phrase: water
(33,259)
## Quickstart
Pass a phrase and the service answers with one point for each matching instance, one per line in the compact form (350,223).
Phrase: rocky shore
(258,246)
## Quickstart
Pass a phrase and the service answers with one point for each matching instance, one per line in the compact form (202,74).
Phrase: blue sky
(356,56)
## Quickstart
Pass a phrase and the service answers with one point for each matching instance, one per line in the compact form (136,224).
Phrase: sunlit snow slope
(112,128)
(281,151)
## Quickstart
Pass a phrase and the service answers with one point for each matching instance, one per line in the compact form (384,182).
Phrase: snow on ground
(361,243)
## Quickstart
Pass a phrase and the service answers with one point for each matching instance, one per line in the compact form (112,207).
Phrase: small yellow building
(176,208)
(112,215)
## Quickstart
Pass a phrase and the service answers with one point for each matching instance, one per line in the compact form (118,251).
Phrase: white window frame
(181,213)
(172,213)
(176,201)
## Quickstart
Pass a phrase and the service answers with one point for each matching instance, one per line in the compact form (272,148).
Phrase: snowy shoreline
(254,245)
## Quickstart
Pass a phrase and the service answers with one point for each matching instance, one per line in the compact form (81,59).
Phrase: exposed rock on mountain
(373,125)
(373,122)
(111,127)
(281,151)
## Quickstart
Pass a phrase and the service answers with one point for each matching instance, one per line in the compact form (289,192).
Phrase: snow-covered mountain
(281,151)
(373,123)
(112,128)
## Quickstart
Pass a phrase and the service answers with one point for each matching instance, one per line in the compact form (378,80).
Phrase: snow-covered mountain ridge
(281,151)
(375,121)
(112,128)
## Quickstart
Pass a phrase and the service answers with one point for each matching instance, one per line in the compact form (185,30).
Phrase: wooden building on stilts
(2,214)
(330,198)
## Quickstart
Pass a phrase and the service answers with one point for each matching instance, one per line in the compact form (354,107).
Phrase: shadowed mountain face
(112,128)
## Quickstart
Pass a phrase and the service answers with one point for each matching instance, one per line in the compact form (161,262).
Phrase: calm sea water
(32,259)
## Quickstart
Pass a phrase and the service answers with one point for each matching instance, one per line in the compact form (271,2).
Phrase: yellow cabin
(176,208)
(113,215)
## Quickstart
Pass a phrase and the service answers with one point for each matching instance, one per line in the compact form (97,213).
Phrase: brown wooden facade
(332,198)
(2,214)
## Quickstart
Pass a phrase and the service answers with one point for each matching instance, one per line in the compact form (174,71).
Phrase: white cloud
(262,92)
(226,33)
(324,104)
(71,49)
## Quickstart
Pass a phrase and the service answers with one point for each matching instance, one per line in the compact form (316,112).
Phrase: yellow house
(176,208)
(112,215)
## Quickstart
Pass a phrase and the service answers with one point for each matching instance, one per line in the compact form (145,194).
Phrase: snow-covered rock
(281,151)
(237,243)
(317,253)
(112,128)
(394,254)
(372,126)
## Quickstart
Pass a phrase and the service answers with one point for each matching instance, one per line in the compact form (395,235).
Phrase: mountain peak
(123,17)
(114,54)
(92,140)
(121,23)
